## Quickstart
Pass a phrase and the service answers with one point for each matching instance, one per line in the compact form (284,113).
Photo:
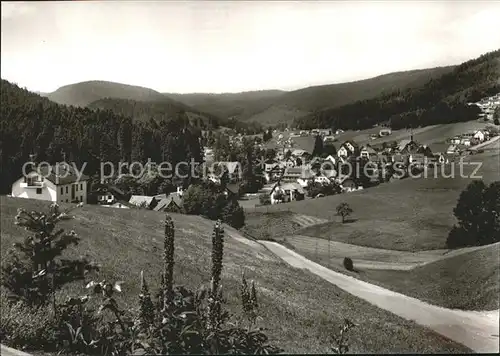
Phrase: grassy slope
(408,215)
(299,309)
(263,226)
(468,281)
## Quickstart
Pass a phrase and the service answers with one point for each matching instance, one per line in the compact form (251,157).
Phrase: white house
(367,152)
(466,141)
(332,159)
(282,193)
(455,140)
(60,183)
(346,149)
(452,149)
(480,135)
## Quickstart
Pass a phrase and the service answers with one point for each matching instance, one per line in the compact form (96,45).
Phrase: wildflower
(117,286)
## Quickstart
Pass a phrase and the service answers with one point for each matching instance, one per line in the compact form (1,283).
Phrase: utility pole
(329,251)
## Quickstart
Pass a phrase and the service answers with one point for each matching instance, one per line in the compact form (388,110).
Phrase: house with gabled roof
(367,152)
(60,183)
(144,201)
(348,148)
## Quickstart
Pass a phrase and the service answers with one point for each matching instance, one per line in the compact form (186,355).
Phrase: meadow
(299,310)
(411,214)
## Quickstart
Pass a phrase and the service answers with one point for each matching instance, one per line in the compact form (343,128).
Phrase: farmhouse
(172,203)
(481,135)
(143,201)
(385,132)
(287,192)
(292,174)
(347,149)
(59,183)
(407,146)
(367,152)
(452,149)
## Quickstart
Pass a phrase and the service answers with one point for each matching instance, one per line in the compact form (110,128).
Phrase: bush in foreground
(477,212)
(348,264)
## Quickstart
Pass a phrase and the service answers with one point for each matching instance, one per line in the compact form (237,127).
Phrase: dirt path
(476,330)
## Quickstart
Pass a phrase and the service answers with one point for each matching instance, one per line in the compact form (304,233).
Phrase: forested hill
(158,110)
(167,108)
(33,124)
(275,106)
(140,103)
(84,93)
(440,100)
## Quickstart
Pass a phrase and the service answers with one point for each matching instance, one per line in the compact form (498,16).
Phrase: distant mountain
(84,93)
(442,99)
(274,106)
(239,105)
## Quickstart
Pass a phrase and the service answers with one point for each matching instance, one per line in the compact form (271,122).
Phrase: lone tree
(344,210)
(477,212)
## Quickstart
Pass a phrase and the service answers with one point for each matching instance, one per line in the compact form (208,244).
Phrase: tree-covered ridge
(256,105)
(83,93)
(441,100)
(166,109)
(32,124)
(158,110)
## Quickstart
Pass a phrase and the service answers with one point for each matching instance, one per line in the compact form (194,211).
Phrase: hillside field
(433,136)
(299,309)
(412,214)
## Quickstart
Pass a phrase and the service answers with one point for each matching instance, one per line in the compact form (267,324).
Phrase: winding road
(476,330)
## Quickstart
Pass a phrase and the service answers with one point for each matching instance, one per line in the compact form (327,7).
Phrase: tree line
(32,124)
(440,101)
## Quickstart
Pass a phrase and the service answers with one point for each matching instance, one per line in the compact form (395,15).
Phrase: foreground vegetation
(301,310)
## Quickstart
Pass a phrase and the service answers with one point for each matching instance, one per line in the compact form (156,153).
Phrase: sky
(234,46)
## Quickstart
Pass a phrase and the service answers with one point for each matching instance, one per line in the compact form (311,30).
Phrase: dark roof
(62,173)
(173,198)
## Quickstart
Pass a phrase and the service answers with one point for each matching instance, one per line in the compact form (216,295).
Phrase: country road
(476,330)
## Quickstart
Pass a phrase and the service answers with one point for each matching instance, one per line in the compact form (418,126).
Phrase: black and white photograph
(249,177)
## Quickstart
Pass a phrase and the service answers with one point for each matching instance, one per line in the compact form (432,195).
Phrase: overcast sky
(237,46)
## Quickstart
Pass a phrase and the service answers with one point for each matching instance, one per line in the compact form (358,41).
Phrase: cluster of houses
(292,170)
(460,143)
(488,106)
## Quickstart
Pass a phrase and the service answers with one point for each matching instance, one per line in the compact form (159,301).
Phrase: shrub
(264,199)
(477,212)
(209,201)
(348,264)
(26,327)
(34,270)
(344,210)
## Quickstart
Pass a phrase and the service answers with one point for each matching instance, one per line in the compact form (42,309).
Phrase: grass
(262,225)
(462,279)
(300,310)
(407,215)
(468,281)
